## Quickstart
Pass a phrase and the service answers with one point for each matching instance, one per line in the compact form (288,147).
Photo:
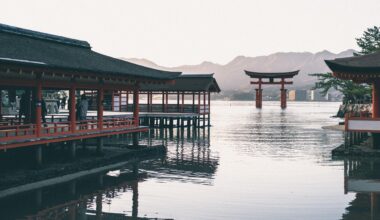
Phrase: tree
(352,92)
(369,42)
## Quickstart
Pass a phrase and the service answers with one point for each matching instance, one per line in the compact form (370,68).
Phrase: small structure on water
(271,76)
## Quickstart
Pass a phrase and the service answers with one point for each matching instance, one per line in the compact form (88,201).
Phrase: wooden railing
(356,128)
(8,132)
(57,128)
(362,123)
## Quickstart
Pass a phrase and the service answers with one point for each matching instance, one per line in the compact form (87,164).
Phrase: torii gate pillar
(283,94)
(283,98)
(259,98)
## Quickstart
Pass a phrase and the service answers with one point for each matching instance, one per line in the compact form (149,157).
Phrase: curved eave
(208,75)
(290,74)
(44,66)
(341,68)
(214,87)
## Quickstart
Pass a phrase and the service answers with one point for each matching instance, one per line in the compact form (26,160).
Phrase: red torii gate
(271,76)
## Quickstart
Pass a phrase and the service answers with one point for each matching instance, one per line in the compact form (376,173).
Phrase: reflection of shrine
(80,199)
(363,178)
(189,154)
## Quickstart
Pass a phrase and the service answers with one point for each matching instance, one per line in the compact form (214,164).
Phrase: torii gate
(271,76)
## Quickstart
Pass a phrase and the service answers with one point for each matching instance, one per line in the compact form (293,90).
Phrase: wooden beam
(269,83)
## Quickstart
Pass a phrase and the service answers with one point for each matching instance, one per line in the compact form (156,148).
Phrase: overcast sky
(175,32)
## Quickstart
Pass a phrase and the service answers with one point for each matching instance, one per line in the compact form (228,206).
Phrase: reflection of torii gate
(271,76)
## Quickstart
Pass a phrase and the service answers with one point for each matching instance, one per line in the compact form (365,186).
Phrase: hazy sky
(175,32)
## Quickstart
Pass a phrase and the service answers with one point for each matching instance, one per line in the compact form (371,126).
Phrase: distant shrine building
(362,69)
(271,78)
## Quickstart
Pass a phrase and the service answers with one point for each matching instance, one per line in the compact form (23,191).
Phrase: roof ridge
(43,36)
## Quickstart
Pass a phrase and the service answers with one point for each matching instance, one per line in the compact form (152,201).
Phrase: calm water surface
(251,164)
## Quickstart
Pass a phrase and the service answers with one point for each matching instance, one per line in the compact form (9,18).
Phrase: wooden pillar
(209,108)
(183,102)
(178,105)
(283,94)
(151,101)
(135,139)
(100,108)
(112,101)
(38,151)
(193,102)
(127,101)
(72,112)
(376,111)
(209,101)
(199,102)
(120,99)
(73,149)
(99,144)
(163,101)
(136,108)
(376,99)
(38,103)
(259,95)
(99,206)
(148,102)
(166,101)
(1,104)
(135,199)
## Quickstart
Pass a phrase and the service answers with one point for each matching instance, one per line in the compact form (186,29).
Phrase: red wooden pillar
(72,109)
(178,105)
(375,99)
(204,101)
(151,101)
(376,111)
(166,101)
(112,101)
(199,102)
(259,95)
(209,102)
(283,94)
(163,101)
(136,108)
(193,102)
(183,102)
(100,107)
(148,102)
(127,101)
(38,106)
(1,105)
(120,99)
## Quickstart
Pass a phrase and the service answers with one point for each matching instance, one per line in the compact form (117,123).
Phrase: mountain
(231,76)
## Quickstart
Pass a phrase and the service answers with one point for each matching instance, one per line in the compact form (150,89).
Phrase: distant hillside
(231,75)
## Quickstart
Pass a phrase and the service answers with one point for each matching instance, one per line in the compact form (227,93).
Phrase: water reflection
(81,199)
(189,157)
(291,133)
(363,178)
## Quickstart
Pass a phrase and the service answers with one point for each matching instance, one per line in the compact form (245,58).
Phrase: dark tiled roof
(31,48)
(271,74)
(187,83)
(358,64)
